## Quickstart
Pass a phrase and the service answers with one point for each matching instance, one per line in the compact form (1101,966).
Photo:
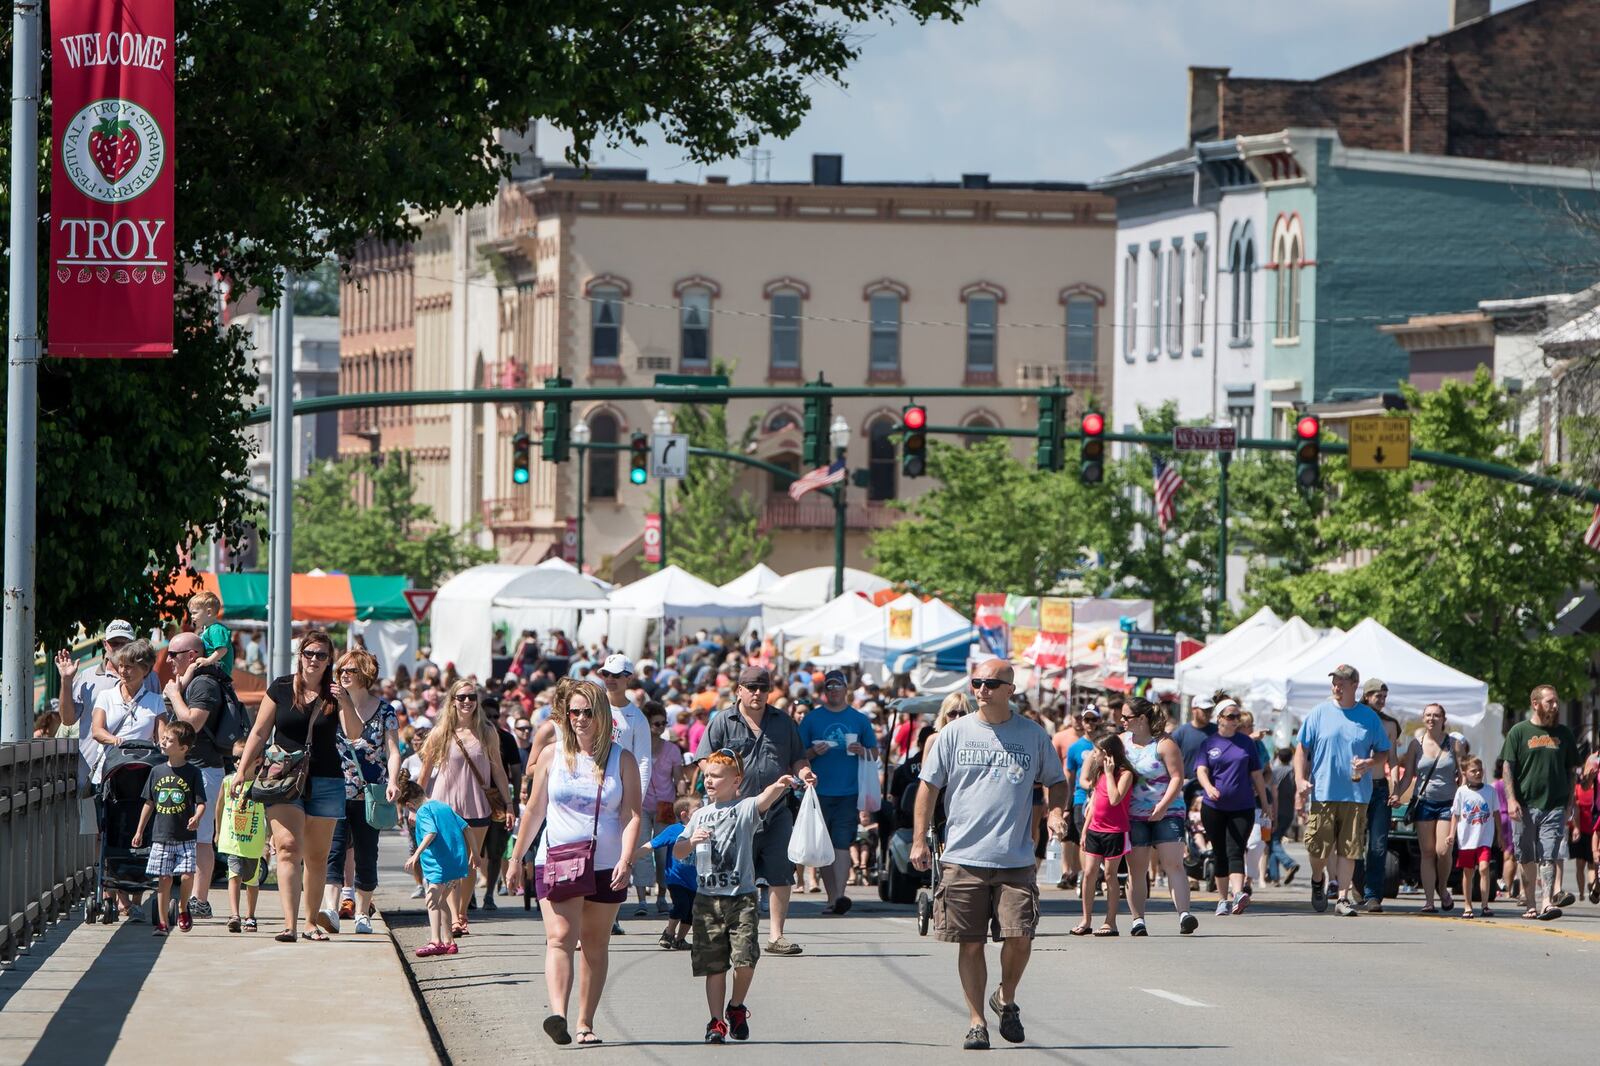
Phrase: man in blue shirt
(1093,723)
(837,737)
(1342,747)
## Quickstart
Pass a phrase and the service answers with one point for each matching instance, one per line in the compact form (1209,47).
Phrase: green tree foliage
(304,126)
(714,532)
(393,534)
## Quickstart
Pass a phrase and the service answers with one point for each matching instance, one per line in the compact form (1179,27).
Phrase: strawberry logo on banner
(111,185)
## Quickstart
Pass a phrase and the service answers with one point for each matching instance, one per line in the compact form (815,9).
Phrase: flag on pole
(1591,537)
(1168,482)
(831,474)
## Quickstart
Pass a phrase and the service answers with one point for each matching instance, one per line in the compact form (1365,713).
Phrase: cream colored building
(612,279)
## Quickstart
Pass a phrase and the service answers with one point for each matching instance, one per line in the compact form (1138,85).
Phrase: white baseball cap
(119,629)
(617,664)
(1205,703)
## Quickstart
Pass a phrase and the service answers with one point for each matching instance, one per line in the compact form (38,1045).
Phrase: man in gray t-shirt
(986,766)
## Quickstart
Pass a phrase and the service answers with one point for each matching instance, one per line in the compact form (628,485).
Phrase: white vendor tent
(676,593)
(470,604)
(806,590)
(873,639)
(752,582)
(1248,633)
(1263,695)
(557,563)
(812,633)
(1234,666)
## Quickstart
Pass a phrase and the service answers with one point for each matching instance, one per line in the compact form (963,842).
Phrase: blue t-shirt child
(445,858)
(679,872)
(1075,756)
(837,769)
(1333,736)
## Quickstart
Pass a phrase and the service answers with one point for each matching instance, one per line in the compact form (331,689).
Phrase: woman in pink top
(456,759)
(1110,776)
(666,765)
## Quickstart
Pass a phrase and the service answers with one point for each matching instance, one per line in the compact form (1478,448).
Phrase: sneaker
(363,924)
(1344,910)
(977,1039)
(1137,930)
(502,890)
(1010,1019)
(1319,897)
(489,904)
(665,941)
(185,922)
(716,1031)
(641,911)
(616,929)
(159,930)
(739,1021)
(680,944)
(783,946)
(1224,907)
(326,920)
(1187,923)
(135,915)
(1333,888)
(1288,875)
(417,893)
(347,908)
(199,908)
(1240,902)
(662,906)
(430,949)
(1372,906)
(841,905)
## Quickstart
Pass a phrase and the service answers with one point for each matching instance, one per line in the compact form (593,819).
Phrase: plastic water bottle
(702,858)
(1052,862)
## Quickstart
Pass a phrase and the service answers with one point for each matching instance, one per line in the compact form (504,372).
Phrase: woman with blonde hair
(462,759)
(954,706)
(585,795)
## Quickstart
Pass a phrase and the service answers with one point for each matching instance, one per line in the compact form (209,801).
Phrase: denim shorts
(322,798)
(1143,834)
(842,816)
(1433,812)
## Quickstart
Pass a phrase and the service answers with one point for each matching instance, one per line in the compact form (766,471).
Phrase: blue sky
(1064,90)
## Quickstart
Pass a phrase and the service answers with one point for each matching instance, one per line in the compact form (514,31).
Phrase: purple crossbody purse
(568,870)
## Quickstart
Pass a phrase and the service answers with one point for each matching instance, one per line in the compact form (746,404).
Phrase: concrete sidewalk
(92,994)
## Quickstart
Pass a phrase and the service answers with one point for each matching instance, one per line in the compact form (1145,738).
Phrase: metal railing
(46,865)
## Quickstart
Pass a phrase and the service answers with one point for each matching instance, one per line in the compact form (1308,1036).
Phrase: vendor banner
(1152,654)
(111,179)
(1021,641)
(1050,650)
(1055,615)
(988,615)
(900,624)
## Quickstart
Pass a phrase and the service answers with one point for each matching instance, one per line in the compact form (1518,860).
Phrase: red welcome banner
(111,184)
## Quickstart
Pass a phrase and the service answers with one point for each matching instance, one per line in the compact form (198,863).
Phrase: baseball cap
(617,664)
(1345,672)
(1204,703)
(1374,684)
(1092,711)
(755,677)
(835,677)
(119,629)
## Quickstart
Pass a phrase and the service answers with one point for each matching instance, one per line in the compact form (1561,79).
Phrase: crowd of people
(579,780)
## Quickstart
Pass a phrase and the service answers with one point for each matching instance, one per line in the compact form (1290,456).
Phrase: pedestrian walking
(128,709)
(633,733)
(1380,819)
(585,795)
(1109,777)
(174,808)
(80,688)
(1475,826)
(682,879)
(1340,742)
(1233,788)
(298,708)
(661,792)
(984,766)
(1155,815)
(442,860)
(200,694)
(1281,867)
(369,757)
(240,832)
(837,737)
(1541,761)
(1434,760)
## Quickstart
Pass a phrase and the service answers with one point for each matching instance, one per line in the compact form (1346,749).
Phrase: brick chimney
(1205,102)
(1467,10)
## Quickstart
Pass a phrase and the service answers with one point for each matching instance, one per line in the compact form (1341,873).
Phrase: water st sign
(1205,438)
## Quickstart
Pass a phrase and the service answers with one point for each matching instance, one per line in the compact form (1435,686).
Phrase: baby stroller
(925,895)
(123,774)
(1199,861)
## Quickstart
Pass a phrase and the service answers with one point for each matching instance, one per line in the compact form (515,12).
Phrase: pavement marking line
(1182,1001)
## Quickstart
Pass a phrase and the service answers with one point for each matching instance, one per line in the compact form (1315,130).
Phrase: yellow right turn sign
(1380,443)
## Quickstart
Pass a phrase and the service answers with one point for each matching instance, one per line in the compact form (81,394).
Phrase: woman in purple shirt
(1230,773)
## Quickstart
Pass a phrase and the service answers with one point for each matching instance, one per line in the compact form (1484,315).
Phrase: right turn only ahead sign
(1380,443)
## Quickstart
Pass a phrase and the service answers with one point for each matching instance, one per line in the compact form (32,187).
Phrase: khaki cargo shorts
(1336,828)
(725,933)
(970,900)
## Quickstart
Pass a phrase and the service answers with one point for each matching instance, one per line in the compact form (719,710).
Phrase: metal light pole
(839,435)
(22,377)
(580,440)
(662,425)
(280,607)
(1223,459)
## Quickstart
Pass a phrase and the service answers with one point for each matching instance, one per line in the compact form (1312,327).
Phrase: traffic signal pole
(1223,459)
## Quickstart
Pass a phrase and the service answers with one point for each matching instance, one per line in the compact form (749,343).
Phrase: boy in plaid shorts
(174,803)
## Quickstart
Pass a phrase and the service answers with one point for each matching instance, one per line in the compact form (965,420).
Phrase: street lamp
(580,441)
(662,425)
(839,434)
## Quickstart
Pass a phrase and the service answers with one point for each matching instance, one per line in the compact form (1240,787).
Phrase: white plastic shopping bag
(869,790)
(809,844)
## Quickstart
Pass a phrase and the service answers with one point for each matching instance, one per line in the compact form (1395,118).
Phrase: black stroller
(123,774)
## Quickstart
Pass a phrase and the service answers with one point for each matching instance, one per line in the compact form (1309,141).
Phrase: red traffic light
(1094,424)
(1308,428)
(914,417)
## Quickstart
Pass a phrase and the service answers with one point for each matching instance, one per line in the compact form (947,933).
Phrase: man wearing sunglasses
(768,743)
(828,731)
(986,766)
(631,731)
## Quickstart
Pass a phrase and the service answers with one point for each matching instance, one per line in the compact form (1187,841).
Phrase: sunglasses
(580,712)
(756,688)
(955,714)
(346,671)
(524,728)
(1228,715)
(609,675)
(466,697)
(986,683)
(314,656)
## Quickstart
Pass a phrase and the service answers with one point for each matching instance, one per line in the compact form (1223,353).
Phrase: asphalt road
(1277,984)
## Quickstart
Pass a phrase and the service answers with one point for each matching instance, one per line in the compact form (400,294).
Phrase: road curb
(421,1001)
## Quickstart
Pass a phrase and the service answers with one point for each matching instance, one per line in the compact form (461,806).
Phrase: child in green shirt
(204,608)
(241,838)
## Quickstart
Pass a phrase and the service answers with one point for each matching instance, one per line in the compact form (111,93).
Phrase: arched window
(1130,303)
(1202,283)
(983,318)
(976,421)
(603,429)
(605,323)
(1174,257)
(1081,314)
(884,298)
(694,304)
(881,459)
(1241,271)
(1288,252)
(782,418)
(785,310)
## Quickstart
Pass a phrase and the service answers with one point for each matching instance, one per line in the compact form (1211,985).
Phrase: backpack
(230,723)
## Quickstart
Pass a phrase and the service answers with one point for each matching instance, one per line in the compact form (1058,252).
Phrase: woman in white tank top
(574,804)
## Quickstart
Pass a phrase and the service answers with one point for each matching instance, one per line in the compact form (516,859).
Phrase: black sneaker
(977,1039)
(842,905)
(1188,923)
(739,1021)
(1319,897)
(1010,1019)
(1288,875)
(1138,928)
(716,1031)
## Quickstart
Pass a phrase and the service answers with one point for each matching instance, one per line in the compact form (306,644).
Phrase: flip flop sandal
(586,1038)
(555,1027)
(1080,930)
(1530,913)
(316,936)
(286,937)
(1106,930)
(1428,910)
(1549,914)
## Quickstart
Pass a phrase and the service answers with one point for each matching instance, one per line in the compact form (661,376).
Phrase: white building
(316,373)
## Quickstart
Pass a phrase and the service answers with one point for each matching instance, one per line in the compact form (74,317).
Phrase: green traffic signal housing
(555,442)
(817,420)
(1092,455)
(521,458)
(1052,450)
(639,456)
(1308,453)
(914,440)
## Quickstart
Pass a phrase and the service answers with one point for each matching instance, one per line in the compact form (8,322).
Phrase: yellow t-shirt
(243,831)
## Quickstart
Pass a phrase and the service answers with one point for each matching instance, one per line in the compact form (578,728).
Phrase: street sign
(1205,438)
(1152,654)
(1380,443)
(419,600)
(669,455)
(652,538)
(569,541)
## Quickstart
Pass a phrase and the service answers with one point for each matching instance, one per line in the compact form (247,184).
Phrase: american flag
(831,474)
(1168,482)
(1591,536)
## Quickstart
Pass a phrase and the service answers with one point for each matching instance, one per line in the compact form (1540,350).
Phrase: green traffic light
(520,475)
(638,476)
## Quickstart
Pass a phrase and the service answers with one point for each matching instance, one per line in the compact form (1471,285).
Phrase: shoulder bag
(284,773)
(496,800)
(568,870)
(1423,782)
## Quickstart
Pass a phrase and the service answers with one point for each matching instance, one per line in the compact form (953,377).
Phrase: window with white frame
(1175,301)
(1130,303)
(983,311)
(1242,412)
(785,309)
(1288,253)
(694,308)
(1156,321)
(1241,271)
(1202,285)
(884,350)
(1081,314)
(605,323)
